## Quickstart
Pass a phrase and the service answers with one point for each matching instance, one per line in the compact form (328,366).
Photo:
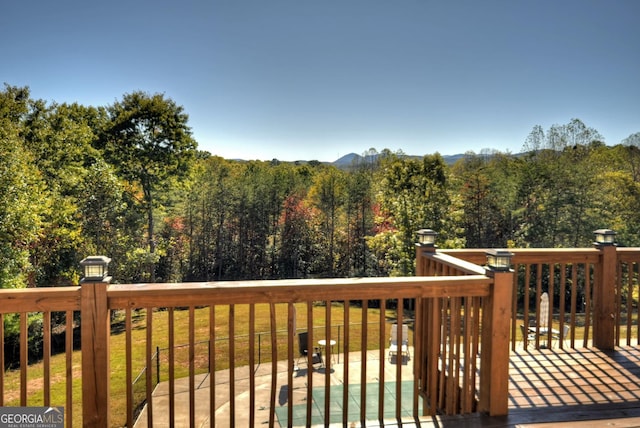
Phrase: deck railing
(456,309)
(462,331)
(593,296)
(627,294)
(449,305)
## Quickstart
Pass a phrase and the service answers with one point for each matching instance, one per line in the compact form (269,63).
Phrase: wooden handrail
(461,266)
(291,291)
(40,299)
(531,255)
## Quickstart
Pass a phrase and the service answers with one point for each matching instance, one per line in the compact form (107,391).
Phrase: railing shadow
(578,384)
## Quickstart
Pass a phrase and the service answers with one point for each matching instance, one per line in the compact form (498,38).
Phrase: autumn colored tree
(297,253)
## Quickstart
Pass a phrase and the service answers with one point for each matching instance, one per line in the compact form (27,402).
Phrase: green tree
(149,142)
(359,221)
(109,225)
(486,184)
(327,196)
(618,180)
(478,201)
(208,210)
(413,195)
(557,186)
(632,158)
(60,138)
(24,200)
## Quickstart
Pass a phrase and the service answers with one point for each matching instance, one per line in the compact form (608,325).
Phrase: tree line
(128,181)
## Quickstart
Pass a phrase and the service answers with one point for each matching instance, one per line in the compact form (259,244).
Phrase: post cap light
(499,260)
(426,237)
(605,236)
(94,268)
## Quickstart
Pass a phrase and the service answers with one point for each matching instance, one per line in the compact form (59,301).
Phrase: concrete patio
(263,385)
(547,388)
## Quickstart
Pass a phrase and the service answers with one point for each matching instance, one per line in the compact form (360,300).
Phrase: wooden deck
(579,387)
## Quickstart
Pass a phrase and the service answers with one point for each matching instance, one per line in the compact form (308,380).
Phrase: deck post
(425,335)
(95,353)
(421,252)
(604,292)
(494,357)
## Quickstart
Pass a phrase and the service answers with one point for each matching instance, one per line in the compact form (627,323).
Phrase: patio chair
(528,336)
(303,349)
(565,334)
(396,346)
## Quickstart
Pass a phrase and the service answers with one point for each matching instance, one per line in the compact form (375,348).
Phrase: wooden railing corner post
(95,332)
(604,293)
(421,252)
(494,357)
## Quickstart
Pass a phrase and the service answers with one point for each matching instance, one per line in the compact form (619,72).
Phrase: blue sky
(302,79)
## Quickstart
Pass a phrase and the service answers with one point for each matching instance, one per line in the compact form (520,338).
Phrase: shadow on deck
(575,385)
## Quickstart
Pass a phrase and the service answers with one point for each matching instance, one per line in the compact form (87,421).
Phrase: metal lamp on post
(605,237)
(499,260)
(425,246)
(95,268)
(426,237)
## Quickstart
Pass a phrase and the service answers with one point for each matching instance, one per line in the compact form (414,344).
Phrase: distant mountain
(348,160)
(451,159)
(354,159)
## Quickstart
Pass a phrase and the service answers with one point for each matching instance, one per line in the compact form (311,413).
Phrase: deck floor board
(583,387)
